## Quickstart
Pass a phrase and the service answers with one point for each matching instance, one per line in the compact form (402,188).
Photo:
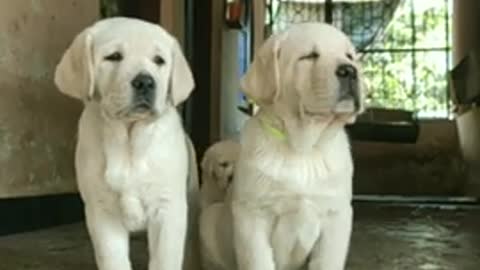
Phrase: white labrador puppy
(217,166)
(132,158)
(290,204)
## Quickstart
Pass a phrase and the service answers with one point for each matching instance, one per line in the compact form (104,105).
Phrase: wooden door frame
(199,106)
(148,10)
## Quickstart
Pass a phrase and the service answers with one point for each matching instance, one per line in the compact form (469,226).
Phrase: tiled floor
(385,238)
(395,238)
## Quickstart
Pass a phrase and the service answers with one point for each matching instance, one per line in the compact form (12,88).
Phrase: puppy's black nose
(346,71)
(349,85)
(143,84)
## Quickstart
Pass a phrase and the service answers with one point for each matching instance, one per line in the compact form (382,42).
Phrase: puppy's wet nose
(346,71)
(143,84)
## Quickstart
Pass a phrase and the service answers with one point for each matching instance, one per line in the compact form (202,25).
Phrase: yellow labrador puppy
(132,158)
(290,204)
(217,166)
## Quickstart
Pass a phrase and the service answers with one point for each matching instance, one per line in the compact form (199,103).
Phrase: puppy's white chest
(299,174)
(143,159)
(305,178)
(146,170)
(146,183)
(126,165)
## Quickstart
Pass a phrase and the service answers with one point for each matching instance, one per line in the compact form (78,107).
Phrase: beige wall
(37,123)
(431,166)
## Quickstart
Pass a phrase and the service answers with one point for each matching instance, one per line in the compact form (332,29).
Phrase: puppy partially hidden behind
(135,166)
(290,202)
(217,167)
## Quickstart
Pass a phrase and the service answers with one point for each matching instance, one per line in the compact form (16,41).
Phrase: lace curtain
(363,21)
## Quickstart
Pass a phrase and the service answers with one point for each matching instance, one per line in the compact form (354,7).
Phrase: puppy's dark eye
(158,60)
(311,56)
(349,56)
(114,57)
(224,164)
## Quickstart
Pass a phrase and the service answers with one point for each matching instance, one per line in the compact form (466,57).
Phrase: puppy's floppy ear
(363,91)
(74,74)
(261,83)
(181,78)
(207,166)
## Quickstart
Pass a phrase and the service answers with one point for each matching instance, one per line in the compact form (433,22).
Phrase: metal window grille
(109,8)
(405,46)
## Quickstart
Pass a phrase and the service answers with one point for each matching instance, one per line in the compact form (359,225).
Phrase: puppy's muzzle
(349,84)
(143,91)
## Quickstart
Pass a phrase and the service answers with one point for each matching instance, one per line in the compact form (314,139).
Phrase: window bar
(329,11)
(317,16)
(383,75)
(399,50)
(414,60)
(447,54)
(269,28)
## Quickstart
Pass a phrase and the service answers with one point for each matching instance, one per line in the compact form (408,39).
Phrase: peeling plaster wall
(37,123)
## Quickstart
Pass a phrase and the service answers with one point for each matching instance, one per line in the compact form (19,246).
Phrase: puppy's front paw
(133,212)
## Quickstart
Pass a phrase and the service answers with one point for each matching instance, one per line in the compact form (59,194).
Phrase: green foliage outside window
(407,68)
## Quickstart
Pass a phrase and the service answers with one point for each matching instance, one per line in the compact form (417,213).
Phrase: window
(244,50)
(405,46)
